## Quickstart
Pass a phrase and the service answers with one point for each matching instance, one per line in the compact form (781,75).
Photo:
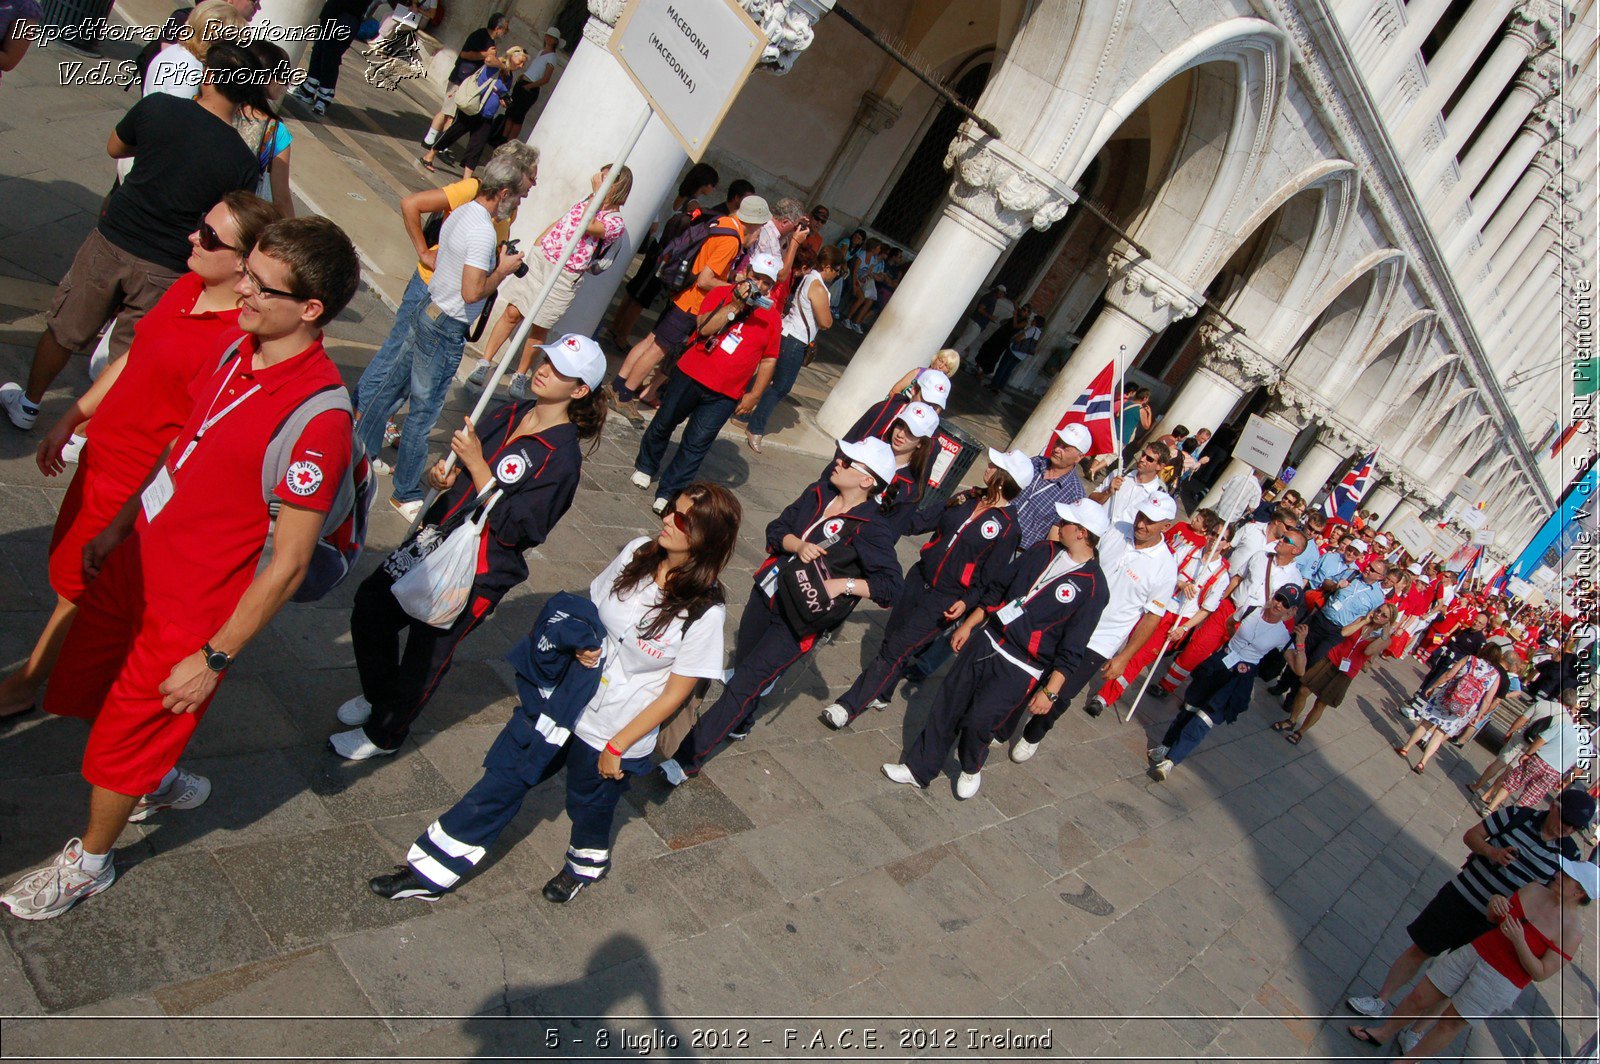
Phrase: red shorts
(93,499)
(113,663)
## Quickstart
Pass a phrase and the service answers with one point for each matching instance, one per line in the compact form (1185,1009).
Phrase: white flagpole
(1150,673)
(520,338)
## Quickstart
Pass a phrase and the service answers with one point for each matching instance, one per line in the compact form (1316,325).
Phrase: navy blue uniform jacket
(963,561)
(1056,623)
(871,533)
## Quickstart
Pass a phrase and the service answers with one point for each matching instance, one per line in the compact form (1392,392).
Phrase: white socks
(431,138)
(93,863)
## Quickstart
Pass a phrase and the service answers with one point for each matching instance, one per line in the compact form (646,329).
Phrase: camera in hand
(751,296)
(511,248)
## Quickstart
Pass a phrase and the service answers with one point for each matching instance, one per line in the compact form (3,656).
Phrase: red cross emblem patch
(512,468)
(304,478)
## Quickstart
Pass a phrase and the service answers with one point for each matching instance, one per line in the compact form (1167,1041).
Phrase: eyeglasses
(679,520)
(210,241)
(276,293)
(1147,457)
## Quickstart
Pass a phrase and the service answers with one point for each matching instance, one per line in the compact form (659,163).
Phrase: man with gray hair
(782,236)
(430,332)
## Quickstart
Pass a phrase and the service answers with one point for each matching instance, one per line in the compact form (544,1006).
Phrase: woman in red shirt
(1541,929)
(138,405)
(1329,679)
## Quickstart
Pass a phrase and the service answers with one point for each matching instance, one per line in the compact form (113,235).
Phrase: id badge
(155,497)
(1009,612)
(769,583)
(1344,666)
(730,342)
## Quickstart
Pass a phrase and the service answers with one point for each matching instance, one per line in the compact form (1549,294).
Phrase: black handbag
(802,596)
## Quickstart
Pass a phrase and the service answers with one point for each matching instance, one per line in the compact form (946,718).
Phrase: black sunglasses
(210,241)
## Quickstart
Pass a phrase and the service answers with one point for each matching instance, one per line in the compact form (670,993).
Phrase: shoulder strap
(275,463)
(232,350)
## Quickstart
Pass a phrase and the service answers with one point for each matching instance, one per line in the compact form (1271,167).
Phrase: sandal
(1420,767)
(1294,737)
(426,165)
(1363,1034)
(1403,752)
(1283,725)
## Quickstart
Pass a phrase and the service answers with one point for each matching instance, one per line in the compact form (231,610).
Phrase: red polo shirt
(200,550)
(726,362)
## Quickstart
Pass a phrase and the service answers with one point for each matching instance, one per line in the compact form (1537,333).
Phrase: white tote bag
(436,589)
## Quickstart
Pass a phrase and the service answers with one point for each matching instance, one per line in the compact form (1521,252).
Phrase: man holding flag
(1342,500)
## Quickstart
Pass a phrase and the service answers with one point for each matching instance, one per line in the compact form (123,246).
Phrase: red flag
(1092,410)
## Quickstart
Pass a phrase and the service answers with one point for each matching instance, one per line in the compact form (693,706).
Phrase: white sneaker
(381,467)
(21,412)
(1408,1039)
(479,375)
(967,784)
(391,433)
(74,448)
(877,703)
(102,355)
(1156,753)
(835,716)
(1373,1007)
(640,480)
(356,712)
(408,510)
(1161,769)
(520,386)
(901,774)
(189,790)
(353,745)
(58,886)
(674,772)
(659,507)
(1023,750)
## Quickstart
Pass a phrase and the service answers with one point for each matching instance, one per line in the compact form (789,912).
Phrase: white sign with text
(1415,536)
(690,58)
(1264,445)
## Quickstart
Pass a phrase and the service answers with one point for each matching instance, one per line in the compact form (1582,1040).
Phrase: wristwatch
(1051,695)
(216,660)
(850,585)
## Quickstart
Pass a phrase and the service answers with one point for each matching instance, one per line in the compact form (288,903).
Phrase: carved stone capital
(1232,356)
(1001,188)
(1147,293)
(1295,405)
(1536,23)
(876,114)
(788,25)
(1545,122)
(1540,76)
(603,15)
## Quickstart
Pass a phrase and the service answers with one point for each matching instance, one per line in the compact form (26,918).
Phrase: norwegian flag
(1342,500)
(1093,411)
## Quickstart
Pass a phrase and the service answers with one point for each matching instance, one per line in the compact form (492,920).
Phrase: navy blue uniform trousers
(914,623)
(983,694)
(1037,727)
(763,650)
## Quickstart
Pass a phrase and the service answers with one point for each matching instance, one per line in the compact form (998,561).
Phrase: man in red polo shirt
(738,332)
(175,594)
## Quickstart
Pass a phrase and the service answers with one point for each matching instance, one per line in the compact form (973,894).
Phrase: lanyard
(1045,579)
(213,418)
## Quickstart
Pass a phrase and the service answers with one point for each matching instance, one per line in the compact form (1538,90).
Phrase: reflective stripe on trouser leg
(1146,655)
(591,806)
(1203,642)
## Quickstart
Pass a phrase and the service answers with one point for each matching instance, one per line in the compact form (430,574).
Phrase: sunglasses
(1149,458)
(210,241)
(679,520)
(277,293)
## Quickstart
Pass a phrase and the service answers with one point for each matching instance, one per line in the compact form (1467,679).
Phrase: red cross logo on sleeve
(511,468)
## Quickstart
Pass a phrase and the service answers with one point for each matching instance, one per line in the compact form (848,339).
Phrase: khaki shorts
(104,282)
(1476,991)
(522,291)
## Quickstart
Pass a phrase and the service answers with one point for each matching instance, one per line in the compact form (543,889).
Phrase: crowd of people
(222,471)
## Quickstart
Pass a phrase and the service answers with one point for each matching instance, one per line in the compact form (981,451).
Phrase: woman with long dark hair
(975,538)
(841,517)
(525,453)
(661,605)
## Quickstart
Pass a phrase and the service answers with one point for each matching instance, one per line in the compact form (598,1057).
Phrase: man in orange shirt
(713,266)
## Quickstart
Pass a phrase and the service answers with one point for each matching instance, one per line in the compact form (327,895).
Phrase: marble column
(289,14)
(1421,17)
(1542,127)
(589,114)
(996,196)
(1511,248)
(1381,500)
(1231,367)
(1452,63)
(1509,215)
(1526,122)
(1142,300)
(1326,454)
(1510,282)
(1532,28)
(1405,509)
(874,115)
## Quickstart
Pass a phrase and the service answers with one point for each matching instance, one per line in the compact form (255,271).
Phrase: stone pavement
(1225,913)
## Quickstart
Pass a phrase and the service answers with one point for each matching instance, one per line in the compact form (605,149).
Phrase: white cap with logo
(766,265)
(920,418)
(1085,513)
(935,387)
(1076,436)
(1016,465)
(1159,507)
(872,453)
(575,355)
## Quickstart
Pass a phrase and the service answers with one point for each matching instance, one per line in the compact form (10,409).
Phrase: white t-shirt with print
(637,668)
(1255,638)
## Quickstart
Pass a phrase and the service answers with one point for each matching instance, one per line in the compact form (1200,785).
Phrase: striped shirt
(1538,858)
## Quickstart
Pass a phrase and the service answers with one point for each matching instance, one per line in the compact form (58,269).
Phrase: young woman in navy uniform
(844,508)
(530,451)
(975,538)
(1015,649)
(930,387)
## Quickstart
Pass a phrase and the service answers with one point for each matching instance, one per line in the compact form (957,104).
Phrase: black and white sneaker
(564,886)
(404,882)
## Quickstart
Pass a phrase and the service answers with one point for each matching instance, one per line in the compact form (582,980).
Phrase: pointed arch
(1322,362)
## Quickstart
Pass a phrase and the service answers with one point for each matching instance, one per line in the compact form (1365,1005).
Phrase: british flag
(1343,499)
(1092,410)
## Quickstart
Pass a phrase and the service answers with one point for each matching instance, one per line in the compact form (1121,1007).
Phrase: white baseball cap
(1015,464)
(575,355)
(872,453)
(935,387)
(1159,507)
(1586,873)
(766,265)
(1075,436)
(1359,544)
(920,418)
(1086,513)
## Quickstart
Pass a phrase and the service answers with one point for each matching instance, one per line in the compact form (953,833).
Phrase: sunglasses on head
(210,241)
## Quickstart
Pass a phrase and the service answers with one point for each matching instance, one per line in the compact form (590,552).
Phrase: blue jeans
(706,411)
(419,370)
(387,357)
(791,356)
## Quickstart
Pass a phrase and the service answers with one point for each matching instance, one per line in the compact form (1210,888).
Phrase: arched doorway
(920,189)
